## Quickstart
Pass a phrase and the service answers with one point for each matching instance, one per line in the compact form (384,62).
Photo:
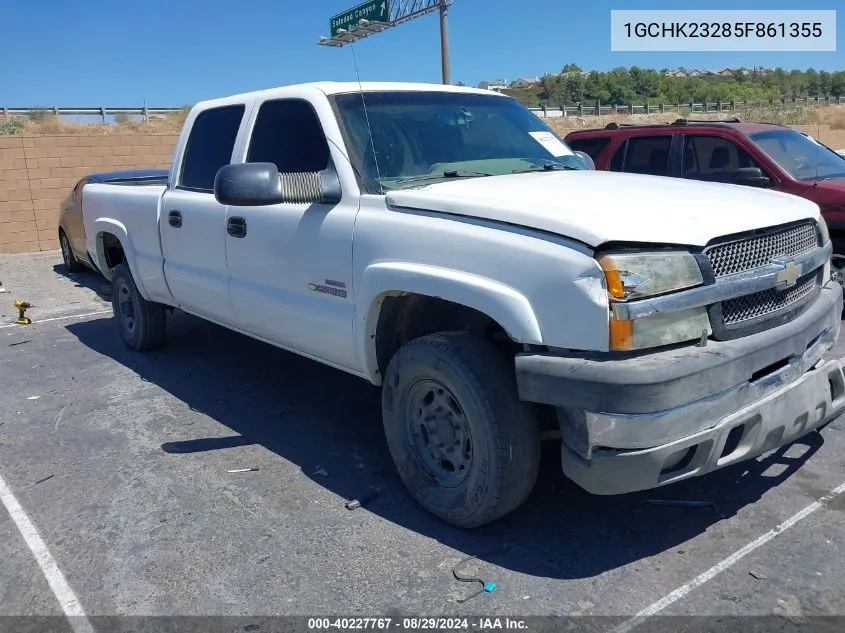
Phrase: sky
(177,52)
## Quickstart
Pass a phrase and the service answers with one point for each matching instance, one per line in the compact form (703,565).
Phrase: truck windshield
(420,138)
(801,157)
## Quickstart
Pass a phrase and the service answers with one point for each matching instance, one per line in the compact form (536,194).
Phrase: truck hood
(595,207)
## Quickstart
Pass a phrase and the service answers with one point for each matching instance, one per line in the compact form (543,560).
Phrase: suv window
(643,155)
(288,133)
(210,146)
(591,146)
(713,158)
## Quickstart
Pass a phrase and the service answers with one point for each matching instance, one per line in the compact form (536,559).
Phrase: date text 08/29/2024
(416,624)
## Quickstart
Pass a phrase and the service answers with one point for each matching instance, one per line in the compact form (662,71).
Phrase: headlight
(664,329)
(642,274)
(637,275)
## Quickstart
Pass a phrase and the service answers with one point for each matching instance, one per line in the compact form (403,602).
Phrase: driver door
(712,158)
(290,265)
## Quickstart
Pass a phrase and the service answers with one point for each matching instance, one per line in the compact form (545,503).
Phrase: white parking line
(718,568)
(69,316)
(67,599)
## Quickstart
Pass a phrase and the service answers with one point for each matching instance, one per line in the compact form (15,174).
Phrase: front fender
(506,306)
(95,246)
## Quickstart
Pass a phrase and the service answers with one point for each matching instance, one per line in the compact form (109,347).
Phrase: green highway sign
(372,10)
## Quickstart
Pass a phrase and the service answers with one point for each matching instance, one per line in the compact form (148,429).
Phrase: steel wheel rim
(439,432)
(125,307)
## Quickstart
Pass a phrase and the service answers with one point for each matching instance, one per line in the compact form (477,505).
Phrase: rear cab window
(209,147)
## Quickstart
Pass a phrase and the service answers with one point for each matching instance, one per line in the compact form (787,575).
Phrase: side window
(591,146)
(210,145)
(288,133)
(647,155)
(713,159)
(619,157)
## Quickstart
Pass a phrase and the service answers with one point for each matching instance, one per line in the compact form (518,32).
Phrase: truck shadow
(88,279)
(312,415)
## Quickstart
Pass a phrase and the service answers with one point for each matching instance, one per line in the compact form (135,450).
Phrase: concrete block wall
(36,172)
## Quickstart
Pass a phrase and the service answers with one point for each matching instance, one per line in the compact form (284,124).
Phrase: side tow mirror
(591,164)
(751,176)
(261,184)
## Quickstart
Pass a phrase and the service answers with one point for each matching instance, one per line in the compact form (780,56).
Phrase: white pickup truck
(445,244)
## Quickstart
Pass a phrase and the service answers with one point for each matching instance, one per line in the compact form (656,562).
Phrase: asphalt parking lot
(121,462)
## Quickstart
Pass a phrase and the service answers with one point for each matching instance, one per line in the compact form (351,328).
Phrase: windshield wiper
(449,173)
(463,173)
(546,167)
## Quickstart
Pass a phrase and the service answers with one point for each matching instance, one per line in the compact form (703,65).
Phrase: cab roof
(735,124)
(343,87)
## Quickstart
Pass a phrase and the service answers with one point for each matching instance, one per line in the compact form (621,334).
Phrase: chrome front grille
(759,250)
(759,304)
(746,253)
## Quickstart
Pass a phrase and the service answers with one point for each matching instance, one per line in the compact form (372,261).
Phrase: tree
(824,82)
(574,86)
(571,68)
(812,83)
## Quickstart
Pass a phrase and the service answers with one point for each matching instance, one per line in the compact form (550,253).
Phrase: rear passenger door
(290,265)
(712,158)
(193,223)
(645,155)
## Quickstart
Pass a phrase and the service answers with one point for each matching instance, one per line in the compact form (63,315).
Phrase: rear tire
(141,322)
(465,446)
(72,264)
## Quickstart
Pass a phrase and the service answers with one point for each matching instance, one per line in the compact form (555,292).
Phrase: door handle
(174,219)
(236,227)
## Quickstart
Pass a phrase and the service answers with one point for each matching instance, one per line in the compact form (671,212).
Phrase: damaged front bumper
(651,419)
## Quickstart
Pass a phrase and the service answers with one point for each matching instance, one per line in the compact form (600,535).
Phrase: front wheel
(141,322)
(464,445)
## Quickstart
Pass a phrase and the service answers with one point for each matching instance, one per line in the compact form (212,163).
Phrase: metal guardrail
(542,110)
(102,112)
(690,107)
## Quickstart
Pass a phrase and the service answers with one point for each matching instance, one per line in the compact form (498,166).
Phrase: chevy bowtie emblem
(787,277)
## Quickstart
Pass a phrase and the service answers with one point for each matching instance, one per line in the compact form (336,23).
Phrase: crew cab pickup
(753,154)
(443,243)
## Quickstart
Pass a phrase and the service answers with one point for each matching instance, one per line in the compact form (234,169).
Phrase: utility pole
(444,43)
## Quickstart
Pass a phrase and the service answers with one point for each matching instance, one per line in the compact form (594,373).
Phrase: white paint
(70,604)
(595,207)
(728,562)
(61,318)
(551,143)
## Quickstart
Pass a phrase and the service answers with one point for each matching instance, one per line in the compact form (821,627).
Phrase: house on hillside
(675,73)
(525,82)
(725,72)
(696,73)
(495,84)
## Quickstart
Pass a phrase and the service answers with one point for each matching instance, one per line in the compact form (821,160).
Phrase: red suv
(752,154)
